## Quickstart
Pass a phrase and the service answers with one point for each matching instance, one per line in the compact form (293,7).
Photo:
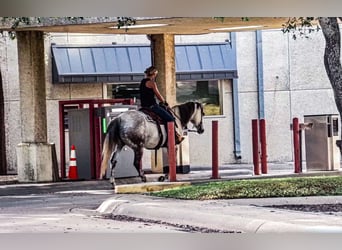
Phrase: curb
(148,187)
(238,218)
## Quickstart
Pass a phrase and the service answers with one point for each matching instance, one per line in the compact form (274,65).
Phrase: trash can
(322,153)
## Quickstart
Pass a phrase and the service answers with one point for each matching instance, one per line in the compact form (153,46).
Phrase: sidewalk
(238,215)
(226,172)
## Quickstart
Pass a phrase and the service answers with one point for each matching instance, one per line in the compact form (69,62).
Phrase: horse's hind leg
(138,152)
(113,162)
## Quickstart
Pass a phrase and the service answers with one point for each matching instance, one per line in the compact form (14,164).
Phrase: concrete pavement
(238,215)
(245,215)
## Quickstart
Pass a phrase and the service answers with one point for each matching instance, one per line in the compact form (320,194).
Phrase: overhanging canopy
(126,63)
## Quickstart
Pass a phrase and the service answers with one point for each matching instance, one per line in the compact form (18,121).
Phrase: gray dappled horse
(136,130)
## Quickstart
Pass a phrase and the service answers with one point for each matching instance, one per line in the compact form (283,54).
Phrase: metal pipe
(260,75)
(171,151)
(263,146)
(296,145)
(235,98)
(214,154)
(236,120)
(255,143)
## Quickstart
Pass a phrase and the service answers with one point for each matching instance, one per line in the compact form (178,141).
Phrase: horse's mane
(186,110)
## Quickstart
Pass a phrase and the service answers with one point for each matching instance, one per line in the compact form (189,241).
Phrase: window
(130,90)
(206,92)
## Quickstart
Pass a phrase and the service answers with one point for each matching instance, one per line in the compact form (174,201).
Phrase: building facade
(278,78)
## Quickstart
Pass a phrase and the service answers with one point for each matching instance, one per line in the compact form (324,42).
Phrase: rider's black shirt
(147,97)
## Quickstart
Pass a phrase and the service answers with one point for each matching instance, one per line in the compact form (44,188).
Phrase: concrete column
(163,47)
(34,153)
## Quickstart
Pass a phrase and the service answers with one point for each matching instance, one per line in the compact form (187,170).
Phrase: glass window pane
(206,92)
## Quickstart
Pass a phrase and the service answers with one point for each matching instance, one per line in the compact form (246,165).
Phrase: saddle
(156,118)
(152,115)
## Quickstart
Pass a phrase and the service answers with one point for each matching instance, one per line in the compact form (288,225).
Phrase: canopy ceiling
(160,25)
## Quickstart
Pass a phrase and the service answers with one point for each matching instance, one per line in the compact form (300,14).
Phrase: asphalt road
(65,208)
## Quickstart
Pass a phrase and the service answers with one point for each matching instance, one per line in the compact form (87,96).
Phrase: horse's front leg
(138,153)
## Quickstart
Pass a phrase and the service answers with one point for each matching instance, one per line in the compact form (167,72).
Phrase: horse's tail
(109,144)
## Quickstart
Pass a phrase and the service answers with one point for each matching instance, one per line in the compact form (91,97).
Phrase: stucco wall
(295,85)
(9,70)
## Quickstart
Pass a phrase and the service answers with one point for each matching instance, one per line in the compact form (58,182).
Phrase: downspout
(236,119)
(236,114)
(260,75)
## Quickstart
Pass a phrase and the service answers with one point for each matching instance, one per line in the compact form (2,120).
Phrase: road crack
(181,227)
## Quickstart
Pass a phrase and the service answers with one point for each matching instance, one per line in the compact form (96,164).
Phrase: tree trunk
(332,61)
(3,163)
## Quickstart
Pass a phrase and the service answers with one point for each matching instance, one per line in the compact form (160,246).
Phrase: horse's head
(197,117)
(190,112)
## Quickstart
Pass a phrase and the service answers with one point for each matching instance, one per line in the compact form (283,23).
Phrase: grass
(257,188)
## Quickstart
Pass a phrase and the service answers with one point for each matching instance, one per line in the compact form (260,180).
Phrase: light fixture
(140,26)
(238,28)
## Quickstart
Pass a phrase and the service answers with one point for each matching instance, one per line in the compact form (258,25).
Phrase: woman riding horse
(136,130)
(148,93)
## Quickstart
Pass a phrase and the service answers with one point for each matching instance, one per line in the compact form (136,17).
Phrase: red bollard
(215,174)
(263,146)
(255,143)
(171,150)
(296,145)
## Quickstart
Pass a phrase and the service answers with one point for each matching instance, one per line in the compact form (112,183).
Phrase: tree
(332,55)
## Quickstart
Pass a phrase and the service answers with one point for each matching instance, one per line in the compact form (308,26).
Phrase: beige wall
(295,84)
(9,70)
(294,78)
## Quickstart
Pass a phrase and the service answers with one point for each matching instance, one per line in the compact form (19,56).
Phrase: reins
(174,114)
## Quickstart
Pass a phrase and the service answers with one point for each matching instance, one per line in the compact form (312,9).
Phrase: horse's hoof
(143,178)
(161,178)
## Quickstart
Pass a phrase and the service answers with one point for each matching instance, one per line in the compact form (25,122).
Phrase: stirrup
(179,138)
